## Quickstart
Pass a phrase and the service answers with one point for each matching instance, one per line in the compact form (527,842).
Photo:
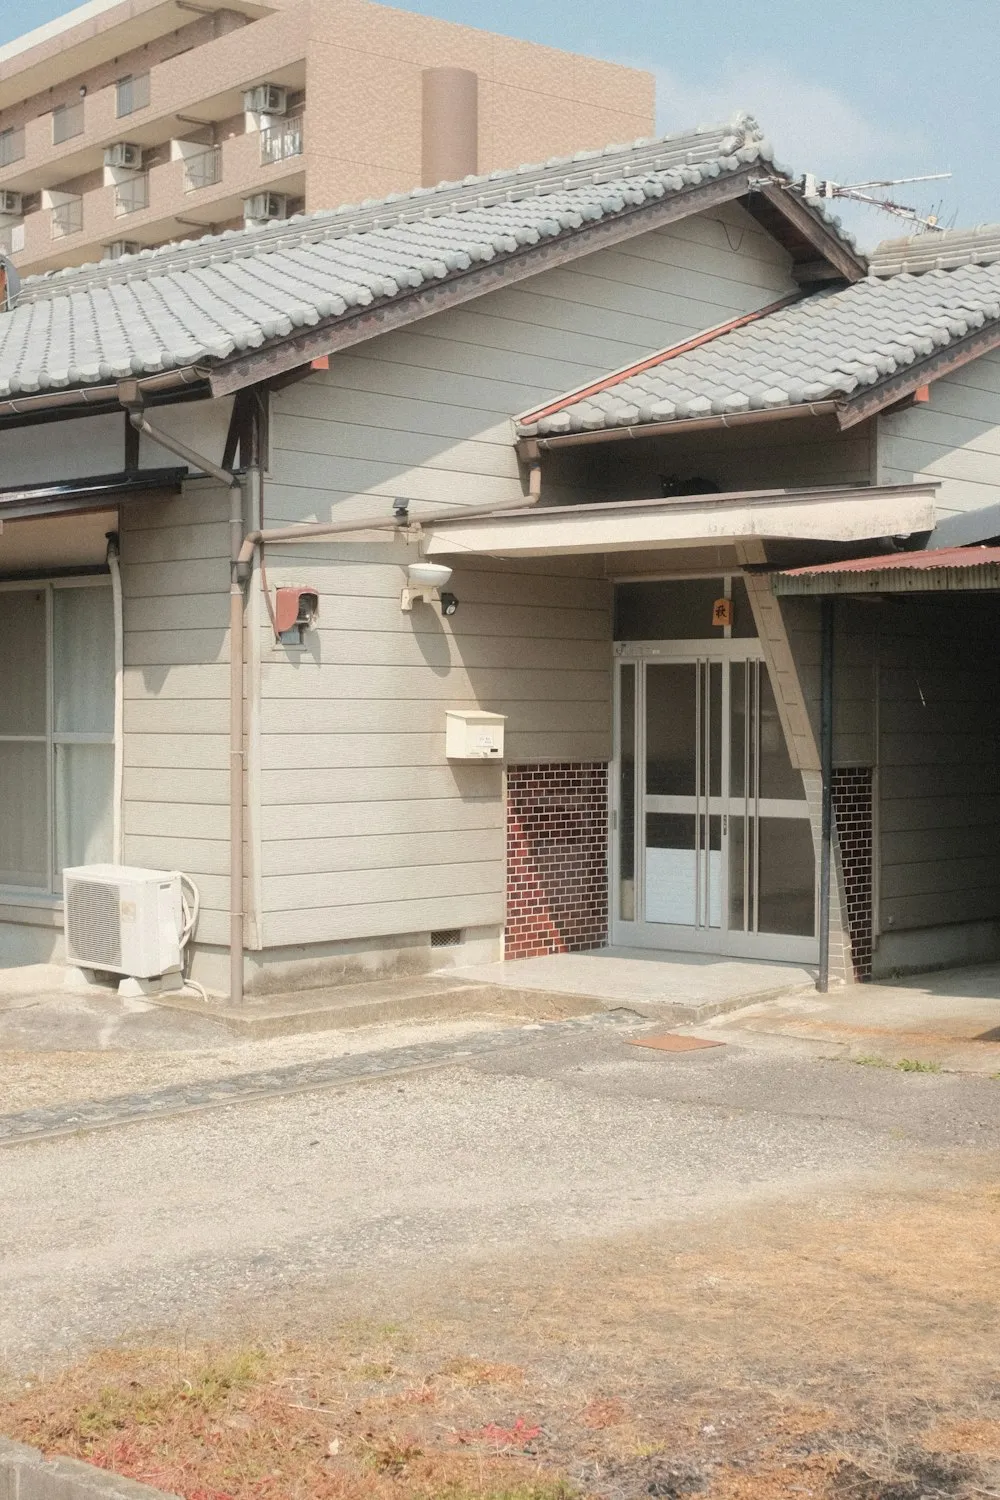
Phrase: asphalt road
(567,1136)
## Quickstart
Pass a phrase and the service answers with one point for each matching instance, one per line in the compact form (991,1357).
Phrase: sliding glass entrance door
(713,847)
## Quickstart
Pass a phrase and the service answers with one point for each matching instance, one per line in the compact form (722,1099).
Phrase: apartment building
(133,124)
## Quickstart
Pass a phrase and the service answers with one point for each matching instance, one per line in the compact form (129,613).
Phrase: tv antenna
(871,194)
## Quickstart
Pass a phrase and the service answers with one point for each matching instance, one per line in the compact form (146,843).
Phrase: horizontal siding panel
(148,581)
(489,453)
(941,813)
(384,918)
(944,748)
(361,616)
(381,783)
(371,477)
(359,716)
(174,716)
(485,686)
(363,887)
(940,875)
(213,929)
(313,399)
(551,745)
(170,751)
(431,815)
(182,612)
(148,819)
(176,544)
(196,857)
(381,851)
(143,784)
(168,648)
(939,908)
(915,846)
(186,682)
(368,584)
(429,652)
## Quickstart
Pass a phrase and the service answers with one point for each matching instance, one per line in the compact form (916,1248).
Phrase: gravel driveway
(565,1137)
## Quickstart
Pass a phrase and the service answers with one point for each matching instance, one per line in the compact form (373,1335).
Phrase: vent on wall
(446,937)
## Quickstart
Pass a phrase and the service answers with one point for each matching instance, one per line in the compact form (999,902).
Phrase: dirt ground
(844,1348)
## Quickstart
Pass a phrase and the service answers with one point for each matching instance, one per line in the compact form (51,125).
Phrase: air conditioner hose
(189,921)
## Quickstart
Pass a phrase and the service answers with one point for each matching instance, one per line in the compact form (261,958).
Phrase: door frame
(720,941)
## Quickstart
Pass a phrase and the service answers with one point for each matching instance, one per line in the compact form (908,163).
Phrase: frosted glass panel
(23,819)
(84,776)
(22,662)
(83,660)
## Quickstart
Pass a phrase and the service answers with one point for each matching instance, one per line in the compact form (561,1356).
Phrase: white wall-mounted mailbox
(473,734)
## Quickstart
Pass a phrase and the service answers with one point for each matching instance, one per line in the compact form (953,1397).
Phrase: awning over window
(95,492)
(849,514)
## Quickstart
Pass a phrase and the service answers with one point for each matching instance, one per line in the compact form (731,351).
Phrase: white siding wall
(366,829)
(955,437)
(175,582)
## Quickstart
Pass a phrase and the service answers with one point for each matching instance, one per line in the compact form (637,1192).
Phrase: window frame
(19,894)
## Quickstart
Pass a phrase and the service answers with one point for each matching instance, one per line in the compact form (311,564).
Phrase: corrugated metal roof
(827,346)
(965,569)
(206,300)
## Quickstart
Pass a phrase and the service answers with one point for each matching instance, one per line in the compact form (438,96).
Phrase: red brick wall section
(557,858)
(853,811)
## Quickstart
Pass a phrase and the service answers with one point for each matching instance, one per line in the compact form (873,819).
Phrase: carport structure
(909,740)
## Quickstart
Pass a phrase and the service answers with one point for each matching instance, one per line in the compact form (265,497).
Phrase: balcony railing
(11,145)
(202,169)
(131,93)
(67,121)
(131,195)
(279,142)
(67,218)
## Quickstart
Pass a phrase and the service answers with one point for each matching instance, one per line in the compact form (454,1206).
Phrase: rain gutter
(530,447)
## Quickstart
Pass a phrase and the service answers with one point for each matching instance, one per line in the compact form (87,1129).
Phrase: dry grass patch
(845,1351)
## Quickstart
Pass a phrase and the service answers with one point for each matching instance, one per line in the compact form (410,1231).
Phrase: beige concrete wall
(364,90)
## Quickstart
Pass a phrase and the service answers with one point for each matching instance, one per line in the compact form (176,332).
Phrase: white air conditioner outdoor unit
(123,154)
(122,920)
(266,99)
(266,206)
(10,202)
(118,248)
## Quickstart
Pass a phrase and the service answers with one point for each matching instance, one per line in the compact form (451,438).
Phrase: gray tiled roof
(824,347)
(211,298)
(943,250)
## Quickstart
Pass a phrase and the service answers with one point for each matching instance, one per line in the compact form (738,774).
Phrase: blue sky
(852,90)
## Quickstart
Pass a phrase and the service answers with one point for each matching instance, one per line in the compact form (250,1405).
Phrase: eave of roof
(941,570)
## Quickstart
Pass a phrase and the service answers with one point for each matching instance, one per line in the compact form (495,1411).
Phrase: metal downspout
(827,617)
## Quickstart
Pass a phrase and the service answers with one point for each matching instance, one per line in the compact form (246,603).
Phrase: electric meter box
(473,734)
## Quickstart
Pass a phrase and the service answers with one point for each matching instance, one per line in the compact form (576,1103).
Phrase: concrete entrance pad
(948,1020)
(673,987)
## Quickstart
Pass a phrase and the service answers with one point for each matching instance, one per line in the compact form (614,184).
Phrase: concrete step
(381,1002)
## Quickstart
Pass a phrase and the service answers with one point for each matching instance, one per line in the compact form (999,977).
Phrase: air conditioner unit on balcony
(11,203)
(266,206)
(266,99)
(121,920)
(124,154)
(118,248)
